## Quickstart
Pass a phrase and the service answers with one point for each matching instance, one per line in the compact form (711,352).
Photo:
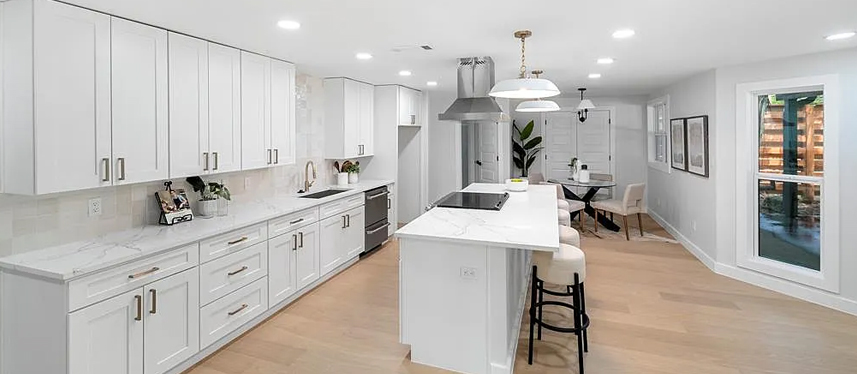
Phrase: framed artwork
(678,143)
(697,145)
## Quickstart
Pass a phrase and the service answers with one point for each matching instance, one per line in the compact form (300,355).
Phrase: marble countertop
(73,260)
(527,221)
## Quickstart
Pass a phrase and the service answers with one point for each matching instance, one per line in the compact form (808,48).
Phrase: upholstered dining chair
(536,178)
(631,203)
(569,205)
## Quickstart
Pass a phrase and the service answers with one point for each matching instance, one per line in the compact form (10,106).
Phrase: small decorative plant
(353,168)
(210,191)
(524,148)
(573,164)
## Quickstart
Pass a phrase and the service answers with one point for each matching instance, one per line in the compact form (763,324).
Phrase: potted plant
(213,197)
(353,170)
(524,148)
(573,166)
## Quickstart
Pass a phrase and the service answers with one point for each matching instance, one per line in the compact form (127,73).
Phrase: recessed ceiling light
(594,76)
(405,73)
(606,60)
(624,33)
(363,56)
(841,36)
(431,83)
(289,25)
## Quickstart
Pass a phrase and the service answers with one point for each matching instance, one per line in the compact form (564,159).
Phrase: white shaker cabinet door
(355,237)
(331,239)
(367,119)
(351,110)
(171,317)
(224,98)
(255,111)
(307,265)
(189,121)
(282,282)
(107,337)
(282,112)
(71,77)
(139,97)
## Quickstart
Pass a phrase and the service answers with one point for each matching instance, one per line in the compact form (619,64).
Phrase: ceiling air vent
(426,47)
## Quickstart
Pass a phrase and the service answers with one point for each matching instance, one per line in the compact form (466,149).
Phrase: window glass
(790,222)
(791,136)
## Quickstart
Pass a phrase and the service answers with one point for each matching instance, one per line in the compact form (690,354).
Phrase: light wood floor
(654,309)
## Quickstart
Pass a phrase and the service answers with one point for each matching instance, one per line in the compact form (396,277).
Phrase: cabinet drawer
(282,225)
(223,316)
(231,272)
(340,206)
(101,286)
(231,242)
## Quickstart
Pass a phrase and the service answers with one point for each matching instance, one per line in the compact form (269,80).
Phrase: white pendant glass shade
(586,104)
(524,88)
(537,106)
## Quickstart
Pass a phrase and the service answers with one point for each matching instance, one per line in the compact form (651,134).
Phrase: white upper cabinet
(57,75)
(267,112)
(139,97)
(410,106)
(224,108)
(189,120)
(349,118)
(282,112)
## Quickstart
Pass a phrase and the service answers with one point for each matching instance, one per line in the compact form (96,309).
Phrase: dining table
(593,187)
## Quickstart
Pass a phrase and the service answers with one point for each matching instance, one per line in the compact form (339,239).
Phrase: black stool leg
(541,299)
(532,312)
(577,321)
(582,313)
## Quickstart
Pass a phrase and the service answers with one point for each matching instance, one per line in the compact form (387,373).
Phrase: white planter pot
(341,179)
(208,208)
(353,178)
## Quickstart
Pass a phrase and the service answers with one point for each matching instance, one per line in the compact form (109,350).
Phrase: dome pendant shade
(524,88)
(586,104)
(535,106)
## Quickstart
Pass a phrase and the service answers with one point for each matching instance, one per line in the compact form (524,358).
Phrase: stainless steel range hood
(475,79)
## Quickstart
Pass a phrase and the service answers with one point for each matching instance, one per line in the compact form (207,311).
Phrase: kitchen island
(463,276)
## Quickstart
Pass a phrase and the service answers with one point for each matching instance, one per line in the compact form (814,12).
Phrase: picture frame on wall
(678,142)
(696,132)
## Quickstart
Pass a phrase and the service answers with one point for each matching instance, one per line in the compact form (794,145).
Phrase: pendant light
(584,107)
(537,105)
(524,87)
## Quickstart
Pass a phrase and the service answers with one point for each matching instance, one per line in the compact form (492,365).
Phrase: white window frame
(747,174)
(651,123)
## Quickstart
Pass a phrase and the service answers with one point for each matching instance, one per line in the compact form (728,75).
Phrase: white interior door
(593,142)
(139,95)
(489,170)
(560,144)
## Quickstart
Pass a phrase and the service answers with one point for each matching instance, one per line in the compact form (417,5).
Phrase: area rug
(635,236)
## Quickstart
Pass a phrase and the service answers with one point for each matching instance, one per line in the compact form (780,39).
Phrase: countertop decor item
(573,166)
(524,87)
(353,171)
(517,184)
(175,207)
(583,174)
(210,193)
(524,148)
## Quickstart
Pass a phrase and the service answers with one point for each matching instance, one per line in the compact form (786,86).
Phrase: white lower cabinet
(107,338)
(144,331)
(293,262)
(306,257)
(355,233)
(332,236)
(223,316)
(220,277)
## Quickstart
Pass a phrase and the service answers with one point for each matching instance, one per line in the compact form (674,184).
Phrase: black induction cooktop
(473,200)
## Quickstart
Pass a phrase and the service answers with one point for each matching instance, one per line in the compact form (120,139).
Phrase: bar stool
(570,236)
(567,268)
(563,217)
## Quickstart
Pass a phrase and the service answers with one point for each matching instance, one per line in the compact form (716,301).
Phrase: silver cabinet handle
(121,162)
(105,168)
(205,161)
(139,300)
(236,241)
(377,195)
(276,155)
(154,293)
(347,220)
(231,273)
(294,242)
(142,273)
(299,220)
(386,225)
(216,163)
(301,236)
(389,203)
(343,222)
(269,156)
(236,311)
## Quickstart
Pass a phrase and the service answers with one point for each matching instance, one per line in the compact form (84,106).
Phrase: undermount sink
(321,194)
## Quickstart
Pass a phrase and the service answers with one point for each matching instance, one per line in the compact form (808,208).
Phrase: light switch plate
(468,273)
(95,207)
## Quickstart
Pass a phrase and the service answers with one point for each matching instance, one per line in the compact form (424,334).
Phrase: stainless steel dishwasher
(376,218)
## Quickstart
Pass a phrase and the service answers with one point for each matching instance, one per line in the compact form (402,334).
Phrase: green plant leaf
(530,161)
(518,163)
(528,130)
(518,149)
(533,143)
(517,130)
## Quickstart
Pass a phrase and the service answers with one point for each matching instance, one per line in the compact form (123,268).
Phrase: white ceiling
(675,38)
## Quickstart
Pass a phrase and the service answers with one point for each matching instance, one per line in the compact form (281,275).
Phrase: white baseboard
(689,245)
(799,291)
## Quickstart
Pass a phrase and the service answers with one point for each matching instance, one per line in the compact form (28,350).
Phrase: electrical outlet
(468,273)
(95,207)
(248,182)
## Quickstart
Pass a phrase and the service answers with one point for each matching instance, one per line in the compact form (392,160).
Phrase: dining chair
(570,205)
(606,178)
(536,178)
(631,203)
